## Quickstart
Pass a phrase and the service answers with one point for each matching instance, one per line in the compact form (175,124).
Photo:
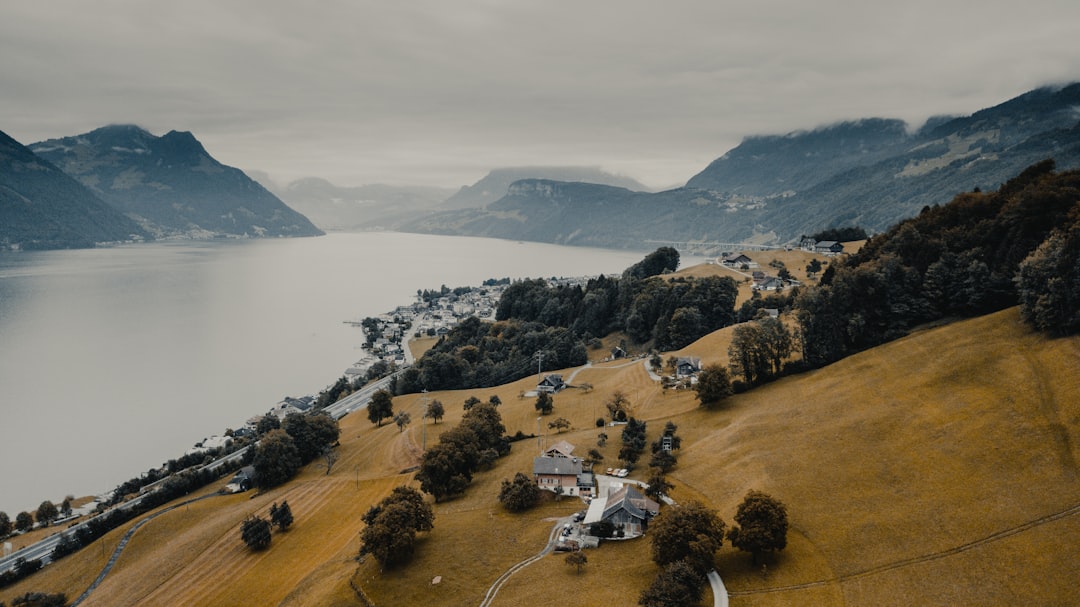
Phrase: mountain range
(772,189)
(170,185)
(43,208)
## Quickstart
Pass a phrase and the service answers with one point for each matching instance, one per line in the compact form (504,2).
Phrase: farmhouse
(627,509)
(739,261)
(687,366)
(551,384)
(829,247)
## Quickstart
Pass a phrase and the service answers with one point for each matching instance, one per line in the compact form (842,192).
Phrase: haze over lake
(115,360)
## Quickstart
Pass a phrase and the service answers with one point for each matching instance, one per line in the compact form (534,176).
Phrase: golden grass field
(924,472)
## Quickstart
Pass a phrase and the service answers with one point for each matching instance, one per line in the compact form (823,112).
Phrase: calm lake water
(113,361)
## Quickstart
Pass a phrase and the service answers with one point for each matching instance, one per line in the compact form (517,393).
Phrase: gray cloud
(436,92)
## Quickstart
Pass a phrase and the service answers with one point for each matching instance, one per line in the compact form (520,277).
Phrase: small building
(243,480)
(739,261)
(560,449)
(551,383)
(686,366)
(829,247)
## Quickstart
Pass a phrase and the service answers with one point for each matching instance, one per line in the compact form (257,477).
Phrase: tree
(68,544)
(663,460)
(311,434)
(544,403)
(435,411)
(559,424)
(520,494)
(760,525)
(267,423)
(65,506)
(445,471)
(47,513)
(392,525)
(24,521)
(601,439)
(678,585)
(747,353)
(618,406)
(255,531)
(777,342)
(577,559)
(5,525)
(281,516)
(381,407)
(691,531)
(602,529)
(276,459)
(402,419)
(813,268)
(595,455)
(39,599)
(713,385)
(658,486)
(1049,284)
(471,402)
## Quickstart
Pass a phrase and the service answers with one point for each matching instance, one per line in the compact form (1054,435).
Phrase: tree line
(539,326)
(982,252)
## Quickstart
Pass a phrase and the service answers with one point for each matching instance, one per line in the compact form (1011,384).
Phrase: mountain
(496,183)
(171,185)
(771,189)
(43,208)
(333,207)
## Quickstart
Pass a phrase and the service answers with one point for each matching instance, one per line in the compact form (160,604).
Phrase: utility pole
(539,365)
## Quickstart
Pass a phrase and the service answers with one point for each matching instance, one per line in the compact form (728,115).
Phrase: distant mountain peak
(497,182)
(172,184)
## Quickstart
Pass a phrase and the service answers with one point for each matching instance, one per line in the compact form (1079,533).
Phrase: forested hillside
(982,252)
(559,320)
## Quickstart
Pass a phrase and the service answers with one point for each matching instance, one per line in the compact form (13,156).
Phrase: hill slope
(937,469)
(333,207)
(171,184)
(43,208)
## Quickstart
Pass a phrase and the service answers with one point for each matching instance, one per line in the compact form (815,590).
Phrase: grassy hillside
(932,470)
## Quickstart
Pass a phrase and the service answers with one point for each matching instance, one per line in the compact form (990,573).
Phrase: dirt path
(502,579)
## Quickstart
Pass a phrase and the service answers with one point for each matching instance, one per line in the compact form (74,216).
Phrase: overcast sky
(437,92)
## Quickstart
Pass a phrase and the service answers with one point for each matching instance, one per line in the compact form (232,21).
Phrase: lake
(115,360)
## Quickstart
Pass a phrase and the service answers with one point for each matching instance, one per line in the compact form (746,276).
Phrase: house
(739,261)
(627,509)
(617,353)
(551,384)
(807,243)
(829,247)
(769,283)
(243,480)
(558,474)
(560,449)
(686,366)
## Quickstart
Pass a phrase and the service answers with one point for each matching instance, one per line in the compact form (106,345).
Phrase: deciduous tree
(5,525)
(618,406)
(381,407)
(519,494)
(678,585)
(761,525)
(435,411)
(255,531)
(276,459)
(691,531)
(559,424)
(577,560)
(392,525)
(713,386)
(544,403)
(47,513)
(402,419)
(24,521)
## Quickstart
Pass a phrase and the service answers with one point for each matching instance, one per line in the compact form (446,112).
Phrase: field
(940,469)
